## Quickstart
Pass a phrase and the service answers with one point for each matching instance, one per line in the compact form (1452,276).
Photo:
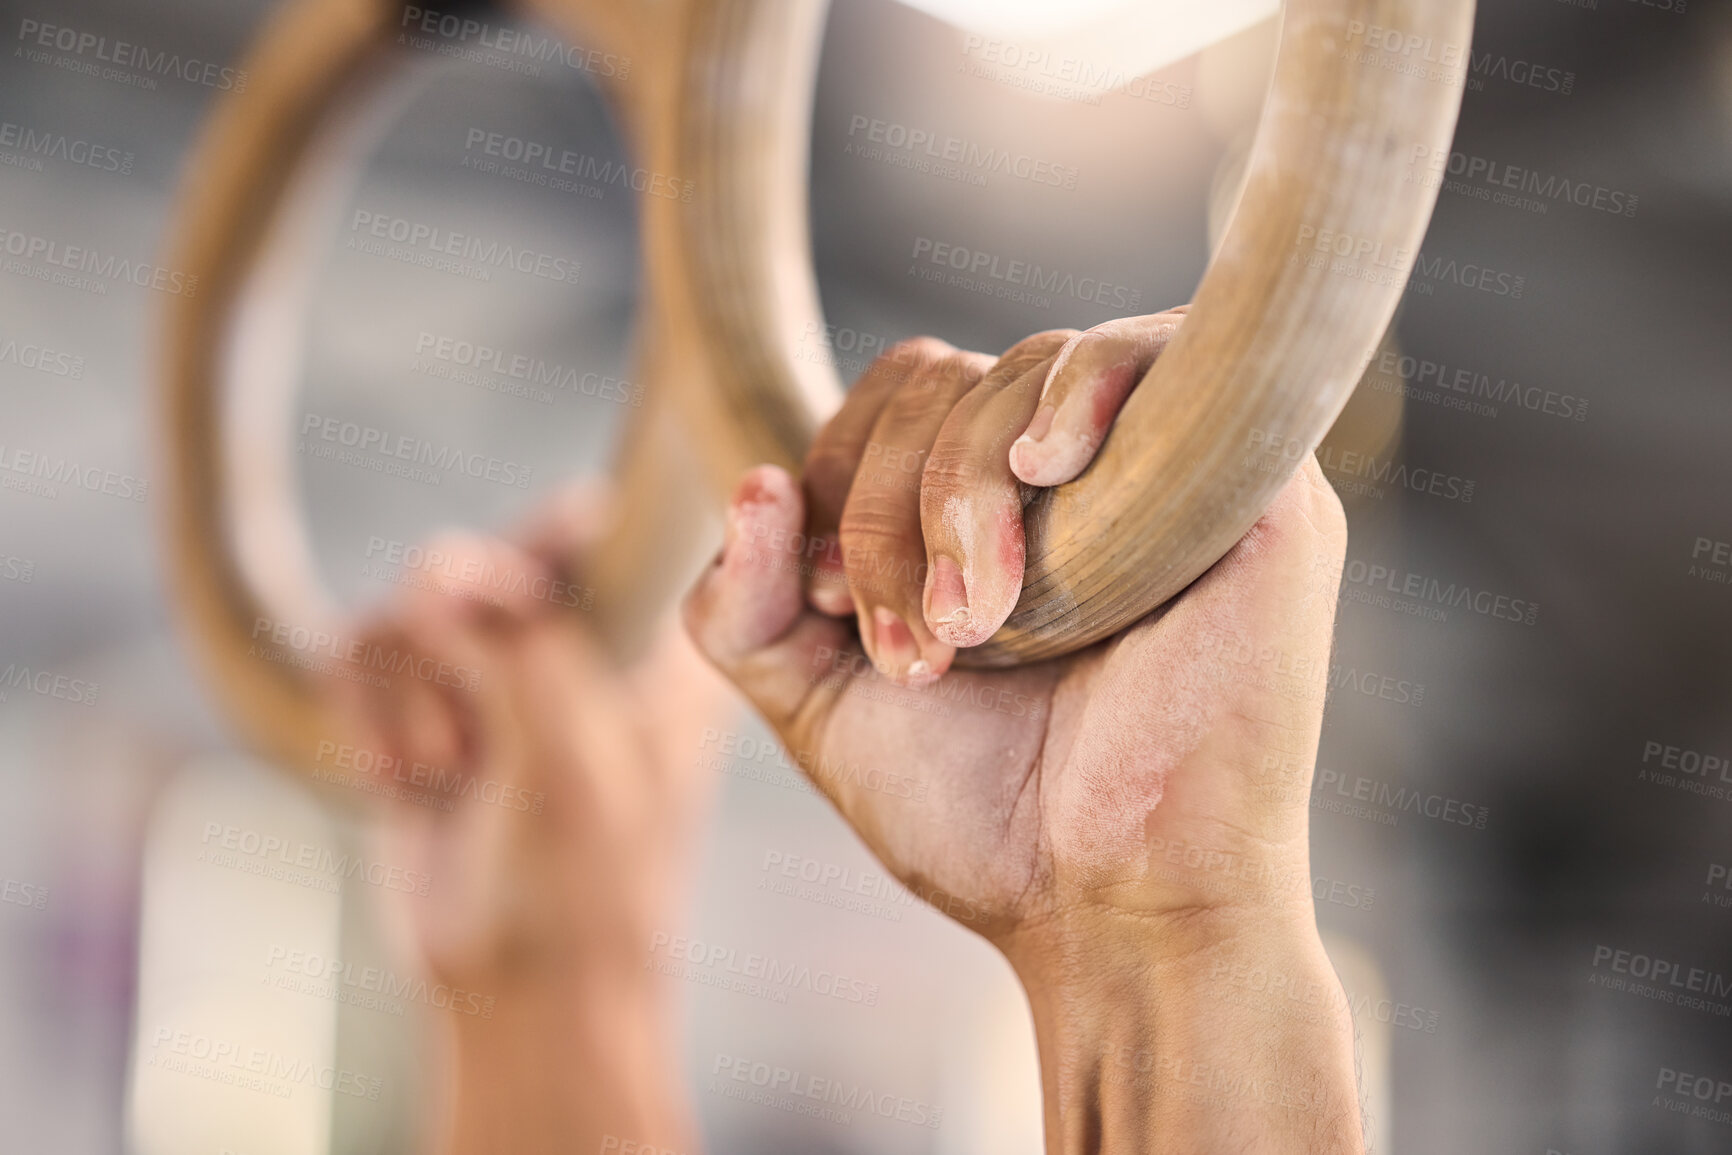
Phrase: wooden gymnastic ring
(1293,304)
(1274,343)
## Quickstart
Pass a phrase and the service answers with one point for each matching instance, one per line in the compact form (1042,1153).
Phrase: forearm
(1225,1035)
(568,1067)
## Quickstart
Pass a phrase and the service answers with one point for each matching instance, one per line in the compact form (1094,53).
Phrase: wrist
(1180,1032)
(563,1063)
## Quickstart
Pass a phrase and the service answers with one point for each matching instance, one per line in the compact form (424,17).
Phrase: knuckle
(912,349)
(909,357)
(938,384)
(1103,342)
(964,368)
(871,525)
(950,468)
(878,557)
(922,401)
(920,397)
(1037,347)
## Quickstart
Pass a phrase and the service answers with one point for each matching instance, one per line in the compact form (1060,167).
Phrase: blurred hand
(576,806)
(598,793)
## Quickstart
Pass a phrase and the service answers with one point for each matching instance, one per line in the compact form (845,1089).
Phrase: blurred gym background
(1580,742)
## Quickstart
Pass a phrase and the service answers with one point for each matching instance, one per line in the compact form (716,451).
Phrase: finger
(450,694)
(577,722)
(882,547)
(567,524)
(1084,392)
(431,722)
(692,697)
(462,844)
(834,458)
(749,618)
(971,503)
(485,577)
(364,708)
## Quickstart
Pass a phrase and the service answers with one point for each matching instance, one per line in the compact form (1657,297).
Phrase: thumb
(748,614)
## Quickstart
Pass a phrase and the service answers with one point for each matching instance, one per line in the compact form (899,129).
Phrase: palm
(1134,774)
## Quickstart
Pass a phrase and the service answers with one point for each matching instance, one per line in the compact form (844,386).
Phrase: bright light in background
(1126,37)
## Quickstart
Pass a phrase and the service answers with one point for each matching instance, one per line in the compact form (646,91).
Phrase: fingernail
(1028,454)
(1040,426)
(947,599)
(831,595)
(894,648)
